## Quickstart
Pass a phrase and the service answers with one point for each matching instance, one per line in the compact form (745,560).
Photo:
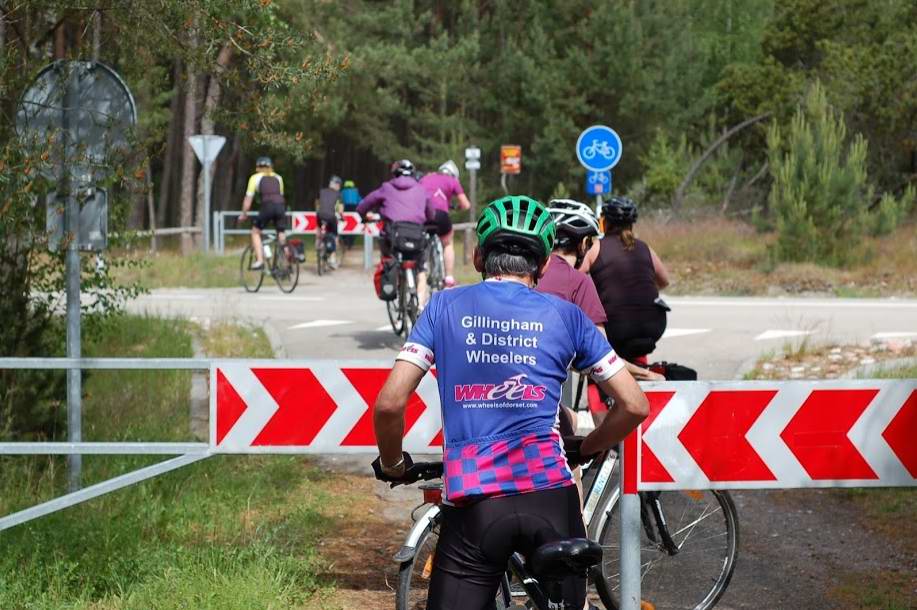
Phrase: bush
(821,192)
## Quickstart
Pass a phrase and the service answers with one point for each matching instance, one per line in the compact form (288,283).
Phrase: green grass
(229,532)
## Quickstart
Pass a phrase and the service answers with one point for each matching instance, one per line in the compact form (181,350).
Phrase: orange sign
(510,159)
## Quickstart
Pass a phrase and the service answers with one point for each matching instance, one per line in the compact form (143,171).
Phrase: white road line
(175,297)
(319,324)
(894,335)
(811,303)
(387,327)
(782,334)
(281,298)
(683,332)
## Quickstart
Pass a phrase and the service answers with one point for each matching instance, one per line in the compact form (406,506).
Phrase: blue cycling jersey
(502,351)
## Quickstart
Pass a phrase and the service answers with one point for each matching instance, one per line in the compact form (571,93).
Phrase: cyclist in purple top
(401,199)
(441,187)
(502,351)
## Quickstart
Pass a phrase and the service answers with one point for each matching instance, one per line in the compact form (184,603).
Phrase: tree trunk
(211,103)
(223,180)
(96,35)
(165,184)
(692,173)
(188,159)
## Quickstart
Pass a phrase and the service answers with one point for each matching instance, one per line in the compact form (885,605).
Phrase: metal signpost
(510,163)
(83,112)
(599,149)
(206,148)
(472,164)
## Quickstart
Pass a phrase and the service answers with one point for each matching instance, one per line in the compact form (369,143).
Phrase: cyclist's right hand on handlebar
(243,216)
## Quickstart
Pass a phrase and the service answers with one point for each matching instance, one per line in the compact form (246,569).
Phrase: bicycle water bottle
(267,251)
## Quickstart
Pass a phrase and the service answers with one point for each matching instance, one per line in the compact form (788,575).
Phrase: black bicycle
(403,310)
(281,262)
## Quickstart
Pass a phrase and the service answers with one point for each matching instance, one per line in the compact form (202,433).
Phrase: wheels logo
(513,388)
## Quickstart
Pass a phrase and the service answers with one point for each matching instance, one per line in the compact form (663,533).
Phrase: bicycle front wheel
(414,575)
(704,526)
(251,279)
(286,270)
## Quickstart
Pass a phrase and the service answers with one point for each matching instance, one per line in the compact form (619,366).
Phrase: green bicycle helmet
(517,224)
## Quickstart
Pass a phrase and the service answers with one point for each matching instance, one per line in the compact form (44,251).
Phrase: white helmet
(574,220)
(449,167)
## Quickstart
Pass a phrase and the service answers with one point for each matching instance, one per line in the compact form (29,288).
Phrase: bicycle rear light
(432,493)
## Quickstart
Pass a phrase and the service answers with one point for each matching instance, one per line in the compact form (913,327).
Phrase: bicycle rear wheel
(704,526)
(414,575)
(286,269)
(251,279)
(394,310)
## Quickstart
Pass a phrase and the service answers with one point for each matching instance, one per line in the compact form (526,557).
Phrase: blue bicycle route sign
(598,183)
(599,148)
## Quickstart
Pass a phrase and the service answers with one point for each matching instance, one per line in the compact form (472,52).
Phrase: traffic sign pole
(206,148)
(472,164)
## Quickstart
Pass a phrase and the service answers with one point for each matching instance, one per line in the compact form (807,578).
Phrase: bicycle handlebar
(420,471)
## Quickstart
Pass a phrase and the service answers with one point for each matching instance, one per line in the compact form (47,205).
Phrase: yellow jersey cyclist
(268,188)
(502,350)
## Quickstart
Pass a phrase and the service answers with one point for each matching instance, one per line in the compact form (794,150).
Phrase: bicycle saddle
(635,348)
(557,560)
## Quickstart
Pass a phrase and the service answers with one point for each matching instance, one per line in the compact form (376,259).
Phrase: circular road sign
(100,118)
(599,148)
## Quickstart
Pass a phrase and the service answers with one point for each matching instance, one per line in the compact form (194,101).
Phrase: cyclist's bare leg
(448,254)
(256,245)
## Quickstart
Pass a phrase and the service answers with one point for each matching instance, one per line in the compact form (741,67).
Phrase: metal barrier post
(630,526)
(367,251)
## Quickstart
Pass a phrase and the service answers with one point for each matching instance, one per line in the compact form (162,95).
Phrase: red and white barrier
(348,224)
(699,435)
(311,407)
(754,435)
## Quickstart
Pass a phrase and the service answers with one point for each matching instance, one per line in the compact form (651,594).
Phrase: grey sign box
(93,220)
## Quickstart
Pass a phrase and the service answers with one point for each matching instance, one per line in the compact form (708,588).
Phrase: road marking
(894,335)
(382,328)
(812,303)
(782,334)
(282,298)
(683,332)
(320,323)
(176,297)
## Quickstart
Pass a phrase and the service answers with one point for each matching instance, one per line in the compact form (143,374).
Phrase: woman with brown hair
(628,275)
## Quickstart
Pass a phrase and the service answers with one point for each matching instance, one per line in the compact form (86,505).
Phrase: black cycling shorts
(443,223)
(329,223)
(476,542)
(272,212)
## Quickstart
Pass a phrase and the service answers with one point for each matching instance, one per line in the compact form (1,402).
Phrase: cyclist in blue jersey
(502,351)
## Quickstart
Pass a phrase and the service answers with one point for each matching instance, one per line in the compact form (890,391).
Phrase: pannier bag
(385,278)
(331,243)
(298,248)
(408,237)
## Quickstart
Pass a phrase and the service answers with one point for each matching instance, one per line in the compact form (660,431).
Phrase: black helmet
(402,168)
(264,162)
(620,211)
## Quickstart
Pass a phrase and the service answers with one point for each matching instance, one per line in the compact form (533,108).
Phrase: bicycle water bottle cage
(563,558)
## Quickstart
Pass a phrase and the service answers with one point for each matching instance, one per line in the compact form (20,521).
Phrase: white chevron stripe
(430,421)
(350,407)
(662,436)
(866,433)
(261,407)
(764,434)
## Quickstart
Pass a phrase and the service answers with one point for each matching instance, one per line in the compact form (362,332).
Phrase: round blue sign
(599,148)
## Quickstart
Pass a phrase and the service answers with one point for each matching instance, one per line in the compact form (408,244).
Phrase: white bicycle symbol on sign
(600,148)
(600,177)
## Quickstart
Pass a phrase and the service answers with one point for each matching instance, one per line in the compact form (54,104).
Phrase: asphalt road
(338,316)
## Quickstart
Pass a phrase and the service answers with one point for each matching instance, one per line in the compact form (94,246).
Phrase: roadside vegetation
(229,532)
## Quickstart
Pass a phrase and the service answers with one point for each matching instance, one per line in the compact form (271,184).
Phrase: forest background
(346,87)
